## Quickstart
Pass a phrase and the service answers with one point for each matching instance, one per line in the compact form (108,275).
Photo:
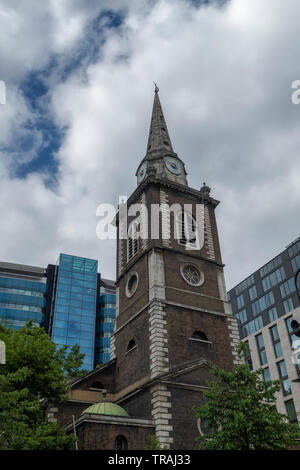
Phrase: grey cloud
(224,77)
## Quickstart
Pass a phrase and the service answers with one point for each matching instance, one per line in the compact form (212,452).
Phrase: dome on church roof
(106,408)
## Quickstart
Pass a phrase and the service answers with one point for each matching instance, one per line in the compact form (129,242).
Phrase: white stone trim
(209,242)
(112,347)
(144,223)
(161,414)
(121,255)
(165,218)
(159,360)
(235,338)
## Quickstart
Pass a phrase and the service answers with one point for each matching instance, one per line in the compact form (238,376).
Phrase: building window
(192,275)
(131,345)
(247,355)
(252,326)
(186,230)
(274,278)
(240,301)
(241,316)
(293,250)
(261,349)
(273,314)
(199,335)
(133,240)
(275,263)
(121,443)
(276,341)
(290,411)
(243,285)
(286,387)
(252,292)
(132,284)
(287,287)
(295,263)
(288,305)
(262,303)
(266,374)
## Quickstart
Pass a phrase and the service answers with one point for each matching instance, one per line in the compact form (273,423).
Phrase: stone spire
(160,160)
(159,141)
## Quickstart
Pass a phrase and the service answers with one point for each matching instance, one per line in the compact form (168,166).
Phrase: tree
(33,377)
(154,444)
(241,414)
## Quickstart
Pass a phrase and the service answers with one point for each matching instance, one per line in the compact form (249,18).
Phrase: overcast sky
(79,81)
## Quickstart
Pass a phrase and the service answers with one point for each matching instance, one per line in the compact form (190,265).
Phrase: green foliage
(71,361)
(154,444)
(241,413)
(33,377)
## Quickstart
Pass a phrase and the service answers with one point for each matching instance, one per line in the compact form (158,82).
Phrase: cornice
(150,180)
(173,185)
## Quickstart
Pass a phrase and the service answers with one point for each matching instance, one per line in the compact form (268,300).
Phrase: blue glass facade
(69,300)
(22,299)
(268,293)
(106,315)
(74,315)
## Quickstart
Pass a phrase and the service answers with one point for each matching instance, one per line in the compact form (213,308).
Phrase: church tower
(173,316)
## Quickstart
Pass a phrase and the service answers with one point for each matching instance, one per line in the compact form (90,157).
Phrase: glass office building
(23,292)
(106,315)
(69,299)
(263,304)
(74,309)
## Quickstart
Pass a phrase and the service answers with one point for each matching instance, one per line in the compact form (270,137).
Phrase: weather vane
(156,87)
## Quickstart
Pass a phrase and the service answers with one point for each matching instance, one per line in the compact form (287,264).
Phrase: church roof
(106,408)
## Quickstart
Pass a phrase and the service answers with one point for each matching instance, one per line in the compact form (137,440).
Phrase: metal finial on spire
(156,89)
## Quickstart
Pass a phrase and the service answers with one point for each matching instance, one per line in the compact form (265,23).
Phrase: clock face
(141,173)
(173,166)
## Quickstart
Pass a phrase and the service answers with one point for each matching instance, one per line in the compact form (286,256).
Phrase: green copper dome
(106,408)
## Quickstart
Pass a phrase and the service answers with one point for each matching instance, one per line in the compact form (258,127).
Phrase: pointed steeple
(159,140)
(160,160)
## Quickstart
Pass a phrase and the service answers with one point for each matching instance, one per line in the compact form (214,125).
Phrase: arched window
(131,345)
(97,385)
(133,240)
(199,335)
(121,443)
(186,230)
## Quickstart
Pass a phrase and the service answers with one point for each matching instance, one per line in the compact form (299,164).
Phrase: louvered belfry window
(186,229)
(133,240)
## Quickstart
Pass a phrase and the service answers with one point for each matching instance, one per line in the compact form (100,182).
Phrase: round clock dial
(173,166)
(141,173)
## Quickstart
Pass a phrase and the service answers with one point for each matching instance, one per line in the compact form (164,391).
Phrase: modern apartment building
(69,299)
(264,304)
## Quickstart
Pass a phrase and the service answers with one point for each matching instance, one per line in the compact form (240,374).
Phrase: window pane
(291,412)
(274,332)
(278,349)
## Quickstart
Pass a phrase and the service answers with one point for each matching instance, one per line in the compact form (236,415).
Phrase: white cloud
(224,75)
